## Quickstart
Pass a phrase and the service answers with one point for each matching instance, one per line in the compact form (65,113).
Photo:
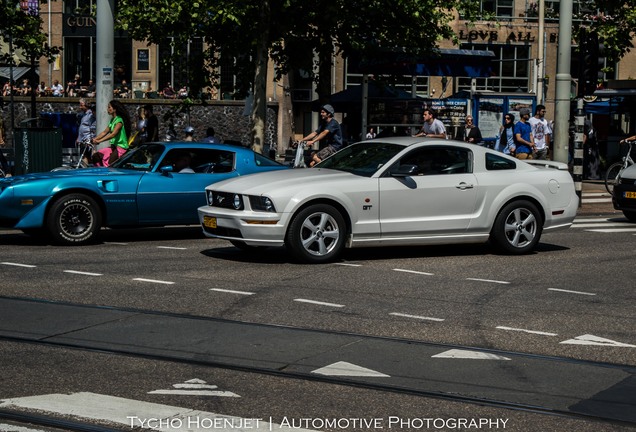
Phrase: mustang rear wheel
(74,219)
(517,228)
(316,234)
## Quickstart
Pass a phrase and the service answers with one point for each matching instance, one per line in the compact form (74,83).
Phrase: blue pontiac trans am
(141,189)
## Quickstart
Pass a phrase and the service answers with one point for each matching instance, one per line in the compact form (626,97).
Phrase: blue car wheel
(74,219)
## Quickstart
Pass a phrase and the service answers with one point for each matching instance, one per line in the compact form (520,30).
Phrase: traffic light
(592,58)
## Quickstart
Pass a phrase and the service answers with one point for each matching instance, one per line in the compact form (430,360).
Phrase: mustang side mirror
(406,170)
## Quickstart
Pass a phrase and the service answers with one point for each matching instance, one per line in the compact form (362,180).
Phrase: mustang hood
(259,184)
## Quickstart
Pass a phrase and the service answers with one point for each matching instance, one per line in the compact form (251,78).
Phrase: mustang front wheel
(517,228)
(316,234)
(74,219)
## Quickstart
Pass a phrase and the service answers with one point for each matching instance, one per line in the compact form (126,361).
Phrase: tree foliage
(23,29)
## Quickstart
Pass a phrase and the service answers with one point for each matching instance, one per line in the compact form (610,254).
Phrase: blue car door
(167,197)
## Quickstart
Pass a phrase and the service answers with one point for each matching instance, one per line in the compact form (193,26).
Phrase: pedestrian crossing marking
(589,339)
(467,354)
(342,368)
(194,387)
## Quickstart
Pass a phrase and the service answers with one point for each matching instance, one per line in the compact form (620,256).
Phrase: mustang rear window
(495,162)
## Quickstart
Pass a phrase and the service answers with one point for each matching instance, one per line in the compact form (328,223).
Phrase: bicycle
(86,149)
(613,173)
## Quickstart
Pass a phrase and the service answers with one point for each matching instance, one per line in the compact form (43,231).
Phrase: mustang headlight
(237,202)
(262,203)
(210,197)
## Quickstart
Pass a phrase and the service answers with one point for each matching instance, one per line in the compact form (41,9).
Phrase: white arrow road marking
(467,354)
(195,387)
(595,340)
(138,414)
(18,264)
(342,368)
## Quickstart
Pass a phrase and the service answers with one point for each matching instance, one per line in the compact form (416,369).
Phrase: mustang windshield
(362,159)
(142,158)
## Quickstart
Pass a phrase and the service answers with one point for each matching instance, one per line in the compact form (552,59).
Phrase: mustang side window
(495,162)
(438,160)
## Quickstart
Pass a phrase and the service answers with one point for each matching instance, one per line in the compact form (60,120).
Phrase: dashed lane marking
(83,273)
(18,265)
(489,280)
(526,331)
(413,272)
(154,281)
(398,314)
(319,303)
(571,292)
(232,291)
(171,247)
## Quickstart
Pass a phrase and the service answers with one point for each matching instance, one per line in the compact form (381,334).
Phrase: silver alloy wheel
(319,233)
(520,227)
(76,219)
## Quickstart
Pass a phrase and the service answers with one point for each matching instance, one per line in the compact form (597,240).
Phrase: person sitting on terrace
(57,88)
(168,92)
(122,90)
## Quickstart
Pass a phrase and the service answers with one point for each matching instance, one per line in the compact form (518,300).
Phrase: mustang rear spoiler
(547,164)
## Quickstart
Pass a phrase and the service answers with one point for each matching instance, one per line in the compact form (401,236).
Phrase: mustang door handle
(464,186)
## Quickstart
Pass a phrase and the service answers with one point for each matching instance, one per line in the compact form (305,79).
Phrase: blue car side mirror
(166,169)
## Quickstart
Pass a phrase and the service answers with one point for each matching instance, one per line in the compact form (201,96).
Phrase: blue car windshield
(142,158)
(362,159)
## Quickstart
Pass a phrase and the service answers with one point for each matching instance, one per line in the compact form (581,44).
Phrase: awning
(18,71)
(446,62)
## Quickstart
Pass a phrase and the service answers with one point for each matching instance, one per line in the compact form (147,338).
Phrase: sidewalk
(596,200)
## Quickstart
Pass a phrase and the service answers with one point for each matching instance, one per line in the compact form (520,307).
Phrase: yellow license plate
(209,221)
(630,194)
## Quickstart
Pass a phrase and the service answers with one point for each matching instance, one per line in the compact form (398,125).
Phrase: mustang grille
(222,199)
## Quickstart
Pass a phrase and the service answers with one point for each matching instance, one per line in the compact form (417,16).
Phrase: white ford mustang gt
(395,191)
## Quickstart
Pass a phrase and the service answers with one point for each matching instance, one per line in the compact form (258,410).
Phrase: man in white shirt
(57,89)
(432,128)
(541,132)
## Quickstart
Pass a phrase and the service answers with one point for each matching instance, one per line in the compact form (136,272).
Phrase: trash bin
(37,145)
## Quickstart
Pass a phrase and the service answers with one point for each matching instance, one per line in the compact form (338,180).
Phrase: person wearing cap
(523,136)
(328,135)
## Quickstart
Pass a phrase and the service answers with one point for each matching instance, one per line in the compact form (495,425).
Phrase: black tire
(630,215)
(611,174)
(517,228)
(74,220)
(246,248)
(317,234)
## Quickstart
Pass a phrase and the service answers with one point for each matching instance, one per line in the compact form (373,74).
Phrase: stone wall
(230,119)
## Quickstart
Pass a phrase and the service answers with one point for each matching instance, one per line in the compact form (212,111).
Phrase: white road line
(600,225)
(232,291)
(398,314)
(154,281)
(319,303)
(413,271)
(612,230)
(596,200)
(349,265)
(527,331)
(587,220)
(171,247)
(488,280)
(83,273)
(572,292)
(18,264)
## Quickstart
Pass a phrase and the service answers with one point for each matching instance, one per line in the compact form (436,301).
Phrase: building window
(511,69)
(181,66)
(499,8)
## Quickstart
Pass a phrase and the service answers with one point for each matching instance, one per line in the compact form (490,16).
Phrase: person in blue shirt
(523,136)
(328,135)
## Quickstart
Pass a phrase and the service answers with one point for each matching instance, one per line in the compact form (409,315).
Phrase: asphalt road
(438,338)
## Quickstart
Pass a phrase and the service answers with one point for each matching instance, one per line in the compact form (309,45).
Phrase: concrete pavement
(596,200)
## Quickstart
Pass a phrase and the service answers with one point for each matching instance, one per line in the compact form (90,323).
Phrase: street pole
(563,80)
(540,54)
(105,60)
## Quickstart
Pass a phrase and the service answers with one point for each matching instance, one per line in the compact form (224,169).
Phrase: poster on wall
(517,103)
(143,59)
(490,117)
